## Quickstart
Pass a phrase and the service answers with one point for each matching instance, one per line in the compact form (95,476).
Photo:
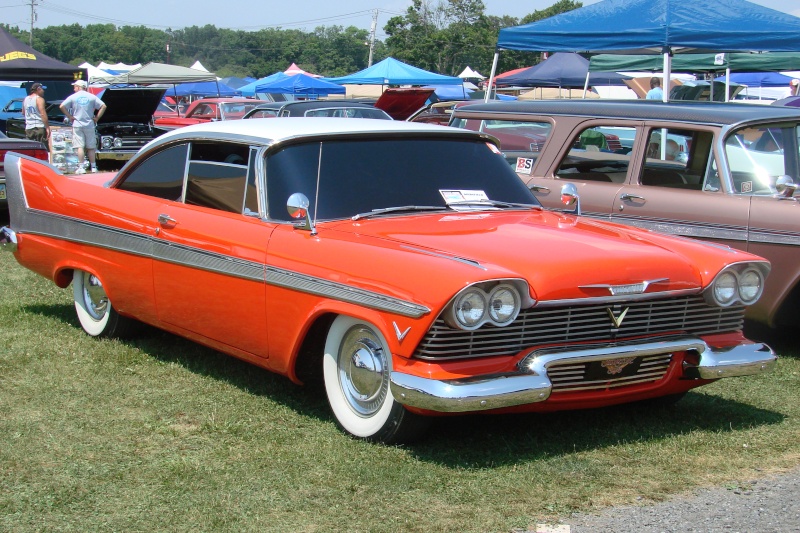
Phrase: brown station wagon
(726,173)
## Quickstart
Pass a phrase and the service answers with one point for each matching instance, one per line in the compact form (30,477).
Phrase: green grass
(158,433)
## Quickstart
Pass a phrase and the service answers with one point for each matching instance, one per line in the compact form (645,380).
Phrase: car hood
(130,104)
(558,254)
(403,102)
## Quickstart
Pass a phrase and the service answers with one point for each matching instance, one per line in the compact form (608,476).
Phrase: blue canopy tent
(757,79)
(250,88)
(665,26)
(201,89)
(299,85)
(390,71)
(561,69)
(450,92)
(234,82)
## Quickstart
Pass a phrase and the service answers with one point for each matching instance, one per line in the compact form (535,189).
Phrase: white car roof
(269,130)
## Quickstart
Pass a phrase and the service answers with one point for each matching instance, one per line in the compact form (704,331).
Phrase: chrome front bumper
(530,382)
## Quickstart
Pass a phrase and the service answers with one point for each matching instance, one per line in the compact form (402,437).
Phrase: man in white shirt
(80,108)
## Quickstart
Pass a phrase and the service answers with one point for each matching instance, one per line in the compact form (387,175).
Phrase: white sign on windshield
(456,196)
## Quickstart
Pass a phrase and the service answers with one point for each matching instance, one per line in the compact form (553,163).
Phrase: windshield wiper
(399,208)
(492,203)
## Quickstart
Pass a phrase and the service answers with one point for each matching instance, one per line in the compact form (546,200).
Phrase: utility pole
(33,19)
(371,36)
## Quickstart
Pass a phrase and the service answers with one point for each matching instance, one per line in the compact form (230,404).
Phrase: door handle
(628,196)
(166,220)
(539,188)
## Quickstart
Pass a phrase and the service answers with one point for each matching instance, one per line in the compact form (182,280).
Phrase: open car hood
(130,104)
(402,103)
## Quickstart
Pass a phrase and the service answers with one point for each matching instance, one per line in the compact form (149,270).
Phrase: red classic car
(727,172)
(208,110)
(403,267)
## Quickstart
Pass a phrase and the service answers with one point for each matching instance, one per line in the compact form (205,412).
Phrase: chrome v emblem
(400,336)
(617,320)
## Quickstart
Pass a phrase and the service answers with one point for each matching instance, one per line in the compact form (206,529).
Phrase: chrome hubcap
(363,371)
(94,296)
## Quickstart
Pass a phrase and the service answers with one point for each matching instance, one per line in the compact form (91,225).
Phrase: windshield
(234,111)
(358,176)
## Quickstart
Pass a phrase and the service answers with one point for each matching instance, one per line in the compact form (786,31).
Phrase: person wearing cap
(37,128)
(80,108)
(794,87)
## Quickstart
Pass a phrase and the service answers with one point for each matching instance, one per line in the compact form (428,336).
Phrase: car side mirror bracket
(569,197)
(785,186)
(297,206)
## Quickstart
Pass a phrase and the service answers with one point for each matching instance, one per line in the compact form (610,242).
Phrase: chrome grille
(574,376)
(570,324)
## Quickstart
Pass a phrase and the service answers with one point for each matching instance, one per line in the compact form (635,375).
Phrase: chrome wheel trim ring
(363,371)
(94,296)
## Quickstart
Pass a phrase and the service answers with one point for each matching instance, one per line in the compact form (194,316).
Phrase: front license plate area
(2,191)
(607,369)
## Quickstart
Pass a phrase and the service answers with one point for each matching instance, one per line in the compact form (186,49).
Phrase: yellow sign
(17,55)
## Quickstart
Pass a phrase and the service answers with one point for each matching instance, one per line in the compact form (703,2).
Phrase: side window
(292,169)
(680,161)
(599,153)
(758,156)
(217,176)
(160,175)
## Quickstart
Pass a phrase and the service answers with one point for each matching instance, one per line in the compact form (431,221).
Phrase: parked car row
(403,268)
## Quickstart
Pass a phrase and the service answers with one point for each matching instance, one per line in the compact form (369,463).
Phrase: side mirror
(569,196)
(785,186)
(297,206)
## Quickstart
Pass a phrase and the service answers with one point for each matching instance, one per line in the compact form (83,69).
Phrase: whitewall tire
(97,316)
(357,365)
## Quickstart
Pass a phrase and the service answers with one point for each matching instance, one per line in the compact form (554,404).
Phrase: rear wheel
(356,369)
(97,316)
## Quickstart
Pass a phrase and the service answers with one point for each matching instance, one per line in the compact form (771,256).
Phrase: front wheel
(97,316)
(356,369)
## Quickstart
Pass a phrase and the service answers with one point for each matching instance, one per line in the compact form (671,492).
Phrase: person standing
(655,92)
(80,108)
(37,128)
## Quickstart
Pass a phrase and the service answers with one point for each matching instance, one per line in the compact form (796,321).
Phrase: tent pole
(491,76)
(727,83)
(586,85)
(667,73)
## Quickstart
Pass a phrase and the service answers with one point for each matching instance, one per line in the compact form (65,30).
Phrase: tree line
(442,36)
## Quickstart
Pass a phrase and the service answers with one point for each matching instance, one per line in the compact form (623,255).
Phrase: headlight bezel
(486,291)
(737,273)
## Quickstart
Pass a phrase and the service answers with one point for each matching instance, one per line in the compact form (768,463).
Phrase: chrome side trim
(338,291)
(774,237)
(531,383)
(78,231)
(209,261)
(470,262)
(732,233)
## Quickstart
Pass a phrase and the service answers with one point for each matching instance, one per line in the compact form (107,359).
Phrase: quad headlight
(740,283)
(496,303)
(107,142)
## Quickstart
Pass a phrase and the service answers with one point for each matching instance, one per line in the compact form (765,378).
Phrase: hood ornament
(630,288)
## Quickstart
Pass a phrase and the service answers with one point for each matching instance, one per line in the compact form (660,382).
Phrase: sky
(303,15)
